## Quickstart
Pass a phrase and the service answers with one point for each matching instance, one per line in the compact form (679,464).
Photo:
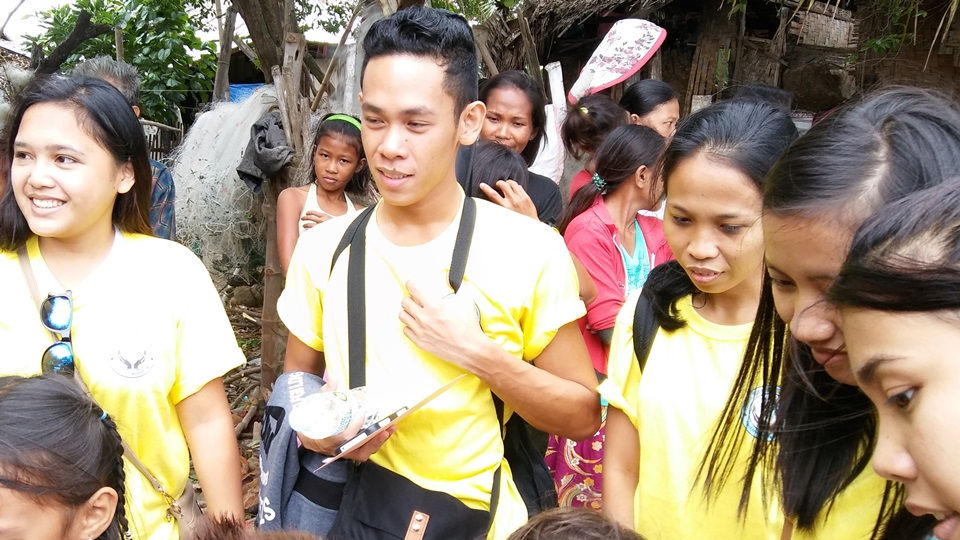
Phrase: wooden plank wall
(712,62)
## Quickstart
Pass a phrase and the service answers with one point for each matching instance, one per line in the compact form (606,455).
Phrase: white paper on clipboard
(387,421)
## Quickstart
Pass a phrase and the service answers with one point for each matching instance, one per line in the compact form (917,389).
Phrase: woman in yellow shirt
(658,425)
(87,290)
(819,433)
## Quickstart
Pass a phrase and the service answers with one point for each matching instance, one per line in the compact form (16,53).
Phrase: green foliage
(160,40)
(333,15)
(893,20)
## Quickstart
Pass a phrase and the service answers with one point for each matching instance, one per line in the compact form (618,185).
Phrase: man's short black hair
(434,33)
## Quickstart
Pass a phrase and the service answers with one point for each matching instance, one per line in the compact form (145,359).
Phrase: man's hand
(443,326)
(312,217)
(329,445)
(514,197)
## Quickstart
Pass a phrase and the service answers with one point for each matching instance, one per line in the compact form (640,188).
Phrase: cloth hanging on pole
(626,48)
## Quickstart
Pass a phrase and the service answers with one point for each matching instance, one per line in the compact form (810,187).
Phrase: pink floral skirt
(577,468)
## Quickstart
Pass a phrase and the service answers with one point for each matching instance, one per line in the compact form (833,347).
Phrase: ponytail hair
(58,446)
(588,122)
(627,149)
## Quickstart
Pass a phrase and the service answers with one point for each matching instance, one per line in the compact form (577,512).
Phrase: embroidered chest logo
(750,415)
(132,364)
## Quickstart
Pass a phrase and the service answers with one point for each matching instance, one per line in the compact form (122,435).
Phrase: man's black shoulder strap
(645,328)
(355,237)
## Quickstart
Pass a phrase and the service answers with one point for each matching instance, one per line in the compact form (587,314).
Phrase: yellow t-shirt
(675,407)
(148,331)
(521,279)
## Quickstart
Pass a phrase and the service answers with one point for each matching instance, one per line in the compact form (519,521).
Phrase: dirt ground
(243,394)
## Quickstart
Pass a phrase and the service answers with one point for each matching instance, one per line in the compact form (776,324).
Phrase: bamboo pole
(326,76)
(221,82)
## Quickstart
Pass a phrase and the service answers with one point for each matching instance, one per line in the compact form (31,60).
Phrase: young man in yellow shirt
(419,104)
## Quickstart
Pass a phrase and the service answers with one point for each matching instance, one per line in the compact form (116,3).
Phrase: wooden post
(530,49)
(294,112)
(656,66)
(481,38)
(221,82)
(118,40)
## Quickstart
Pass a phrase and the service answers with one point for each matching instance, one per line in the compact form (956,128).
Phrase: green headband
(344,118)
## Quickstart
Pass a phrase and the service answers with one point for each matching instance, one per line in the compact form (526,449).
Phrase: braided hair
(58,446)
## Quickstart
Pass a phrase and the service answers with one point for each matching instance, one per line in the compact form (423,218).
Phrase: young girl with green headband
(337,183)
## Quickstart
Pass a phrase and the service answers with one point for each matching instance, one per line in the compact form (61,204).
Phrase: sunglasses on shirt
(56,315)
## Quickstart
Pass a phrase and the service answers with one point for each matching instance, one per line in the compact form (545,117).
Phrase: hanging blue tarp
(240,92)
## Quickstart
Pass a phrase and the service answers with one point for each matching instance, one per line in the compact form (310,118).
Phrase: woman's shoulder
(163,253)
(587,223)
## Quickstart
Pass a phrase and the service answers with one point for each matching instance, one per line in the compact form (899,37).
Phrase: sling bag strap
(27,270)
(355,238)
(645,328)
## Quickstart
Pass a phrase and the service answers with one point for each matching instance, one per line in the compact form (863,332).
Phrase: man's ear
(471,122)
(136,110)
(95,516)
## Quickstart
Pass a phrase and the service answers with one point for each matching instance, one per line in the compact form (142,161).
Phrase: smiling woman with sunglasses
(87,291)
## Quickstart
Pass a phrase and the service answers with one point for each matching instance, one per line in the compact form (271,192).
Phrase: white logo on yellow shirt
(750,415)
(132,364)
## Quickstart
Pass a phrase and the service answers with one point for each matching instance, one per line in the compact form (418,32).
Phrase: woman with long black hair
(815,428)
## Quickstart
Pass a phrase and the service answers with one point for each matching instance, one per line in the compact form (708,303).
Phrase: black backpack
(645,328)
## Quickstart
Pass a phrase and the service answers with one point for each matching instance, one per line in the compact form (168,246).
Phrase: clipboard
(380,425)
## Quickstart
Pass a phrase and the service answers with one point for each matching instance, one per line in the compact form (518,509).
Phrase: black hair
(54,446)
(493,162)
(627,149)
(573,524)
(905,257)
(434,33)
(538,102)
(771,95)
(642,97)
(818,435)
(748,137)
(588,123)
(360,184)
(103,113)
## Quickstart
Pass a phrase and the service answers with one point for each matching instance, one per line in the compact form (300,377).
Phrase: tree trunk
(264,19)
(83,31)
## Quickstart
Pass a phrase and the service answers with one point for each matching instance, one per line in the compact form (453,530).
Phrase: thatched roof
(549,19)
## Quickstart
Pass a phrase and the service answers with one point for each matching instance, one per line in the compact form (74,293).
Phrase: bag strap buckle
(418,526)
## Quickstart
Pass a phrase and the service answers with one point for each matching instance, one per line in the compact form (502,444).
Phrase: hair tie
(343,118)
(584,110)
(598,182)
(103,416)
